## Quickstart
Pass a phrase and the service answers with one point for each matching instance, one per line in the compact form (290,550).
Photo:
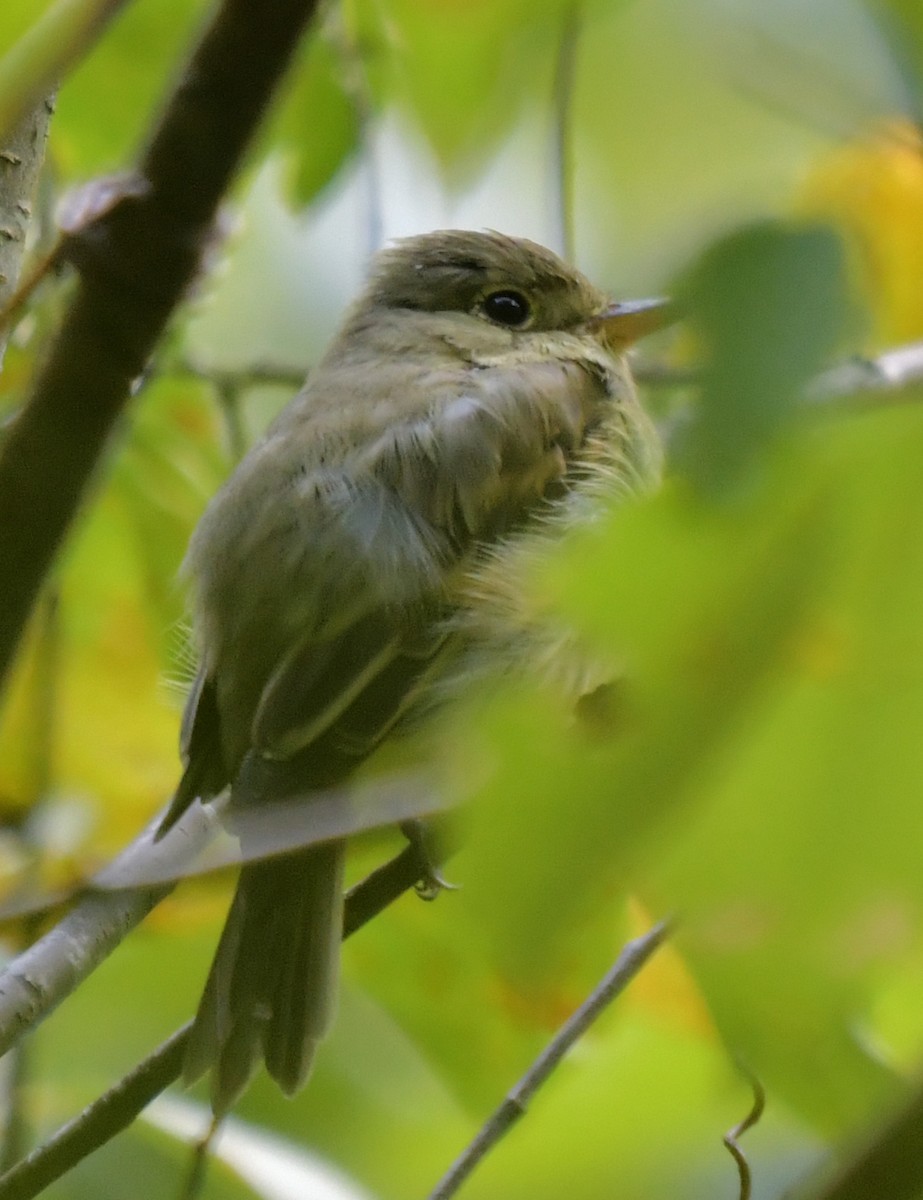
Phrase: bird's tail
(271,989)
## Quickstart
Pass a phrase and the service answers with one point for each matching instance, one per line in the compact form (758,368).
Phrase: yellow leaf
(872,190)
(665,989)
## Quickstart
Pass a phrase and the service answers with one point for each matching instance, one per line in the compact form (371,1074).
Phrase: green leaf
(760,773)
(799,875)
(32,68)
(903,21)
(466,71)
(696,606)
(105,107)
(769,306)
(318,125)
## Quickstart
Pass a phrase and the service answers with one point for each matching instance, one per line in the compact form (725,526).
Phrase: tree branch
(632,958)
(864,381)
(117,1108)
(21,157)
(37,980)
(135,261)
(120,895)
(871,379)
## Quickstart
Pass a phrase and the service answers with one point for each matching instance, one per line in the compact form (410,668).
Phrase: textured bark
(21,157)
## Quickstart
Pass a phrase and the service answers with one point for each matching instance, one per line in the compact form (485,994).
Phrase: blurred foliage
(495,60)
(903,22)
(769,307)
(759,776)
(873,188)
(331,82)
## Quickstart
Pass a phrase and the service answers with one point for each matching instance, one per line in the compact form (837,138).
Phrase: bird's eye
(507,308)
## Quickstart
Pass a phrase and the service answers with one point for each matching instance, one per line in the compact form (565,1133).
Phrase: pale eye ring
(507,307)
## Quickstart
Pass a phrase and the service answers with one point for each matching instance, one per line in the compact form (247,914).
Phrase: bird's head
(489,281)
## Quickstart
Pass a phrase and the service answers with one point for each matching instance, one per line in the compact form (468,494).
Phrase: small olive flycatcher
(474,404)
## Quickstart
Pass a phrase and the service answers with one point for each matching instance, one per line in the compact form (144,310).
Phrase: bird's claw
(431,881)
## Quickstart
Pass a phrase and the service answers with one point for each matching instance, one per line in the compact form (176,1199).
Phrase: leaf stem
(633,957)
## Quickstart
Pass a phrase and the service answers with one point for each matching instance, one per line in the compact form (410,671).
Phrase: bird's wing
(200,746)
(462,475)
(420,501)
(480,461)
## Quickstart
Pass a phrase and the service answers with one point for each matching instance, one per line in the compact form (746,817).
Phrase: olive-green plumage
(363,560)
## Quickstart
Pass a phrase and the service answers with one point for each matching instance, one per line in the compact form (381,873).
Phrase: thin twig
(562,158)
(126,889)
(857,380)
(98,1123)
(257,374)
(269,830)
(871,378)
(632,958)
(732,1135)
(229,401)
(117,1108)
(42,976)
(229,386)
(655,374)
(36,273)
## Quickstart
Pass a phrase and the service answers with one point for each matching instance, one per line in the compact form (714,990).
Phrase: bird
(361,564)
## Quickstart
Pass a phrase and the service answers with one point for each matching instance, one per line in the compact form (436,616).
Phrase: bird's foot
(431,882)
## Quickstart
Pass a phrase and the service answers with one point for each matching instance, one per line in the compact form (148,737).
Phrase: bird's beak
(622,324)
